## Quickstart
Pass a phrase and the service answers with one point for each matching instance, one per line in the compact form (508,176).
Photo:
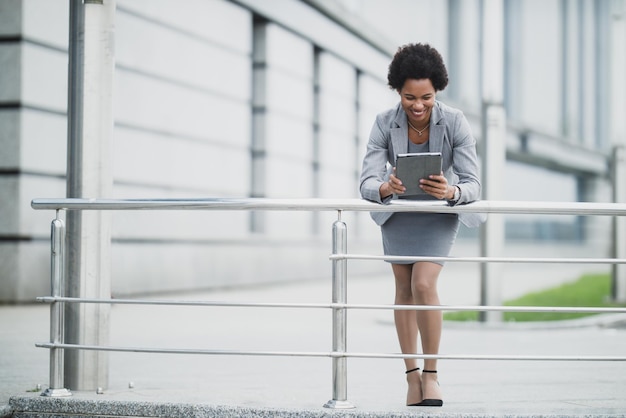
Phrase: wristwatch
(457,194)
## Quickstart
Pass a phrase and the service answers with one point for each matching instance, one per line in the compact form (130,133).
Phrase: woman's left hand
(437,186)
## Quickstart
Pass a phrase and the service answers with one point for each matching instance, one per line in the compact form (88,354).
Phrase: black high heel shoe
(430,402)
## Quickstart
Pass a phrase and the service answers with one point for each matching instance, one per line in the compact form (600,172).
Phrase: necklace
(419,131)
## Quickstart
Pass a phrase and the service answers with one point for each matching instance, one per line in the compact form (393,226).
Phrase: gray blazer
(450,134)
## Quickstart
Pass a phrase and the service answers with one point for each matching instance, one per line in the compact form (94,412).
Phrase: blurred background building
(276,98)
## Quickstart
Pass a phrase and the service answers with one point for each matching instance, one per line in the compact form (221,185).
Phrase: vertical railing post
(340,291)
(57,242)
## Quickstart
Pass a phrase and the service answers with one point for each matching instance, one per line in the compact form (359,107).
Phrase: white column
(618,136)
(90,124)
(493,150)
(619,226)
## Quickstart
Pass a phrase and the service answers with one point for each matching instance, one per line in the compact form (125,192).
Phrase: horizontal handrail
(482,206)
(522,260)
(559,309)
(331,354)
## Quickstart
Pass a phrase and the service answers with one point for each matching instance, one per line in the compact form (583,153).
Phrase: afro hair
(417,61)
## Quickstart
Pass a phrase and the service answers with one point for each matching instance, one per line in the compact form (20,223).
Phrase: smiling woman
(419,123)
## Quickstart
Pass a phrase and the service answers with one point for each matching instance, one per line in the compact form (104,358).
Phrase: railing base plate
(56,393)
(333,404)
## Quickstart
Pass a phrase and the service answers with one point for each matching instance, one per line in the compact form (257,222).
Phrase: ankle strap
(412,370)
(429,371)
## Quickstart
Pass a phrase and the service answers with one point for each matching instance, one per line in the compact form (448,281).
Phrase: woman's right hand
(393,185)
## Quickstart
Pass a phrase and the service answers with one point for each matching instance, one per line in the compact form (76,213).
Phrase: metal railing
(339,257)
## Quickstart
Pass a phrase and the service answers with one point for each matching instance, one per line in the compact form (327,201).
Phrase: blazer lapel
(400,134)
(437,130)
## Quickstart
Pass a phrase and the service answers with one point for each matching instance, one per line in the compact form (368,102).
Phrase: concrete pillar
(90,124)
(493,150)
(618,136)
(618,271)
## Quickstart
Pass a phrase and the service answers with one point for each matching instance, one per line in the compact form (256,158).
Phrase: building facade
(256,98)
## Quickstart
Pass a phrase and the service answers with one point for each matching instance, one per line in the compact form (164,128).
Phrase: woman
(420,123)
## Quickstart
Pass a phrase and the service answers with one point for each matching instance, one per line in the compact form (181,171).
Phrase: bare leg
(406,327)
(424,289)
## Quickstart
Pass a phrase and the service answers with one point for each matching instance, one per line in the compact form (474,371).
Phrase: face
(418,98)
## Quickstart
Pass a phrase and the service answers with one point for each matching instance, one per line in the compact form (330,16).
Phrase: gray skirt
(419,234)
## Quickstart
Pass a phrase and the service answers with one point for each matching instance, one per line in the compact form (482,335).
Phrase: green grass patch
(591,290)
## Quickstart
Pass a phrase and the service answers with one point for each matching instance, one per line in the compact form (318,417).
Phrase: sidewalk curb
(6,411)
(610,320)
(37,406)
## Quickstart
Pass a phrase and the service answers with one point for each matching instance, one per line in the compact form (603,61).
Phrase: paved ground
(376,387)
